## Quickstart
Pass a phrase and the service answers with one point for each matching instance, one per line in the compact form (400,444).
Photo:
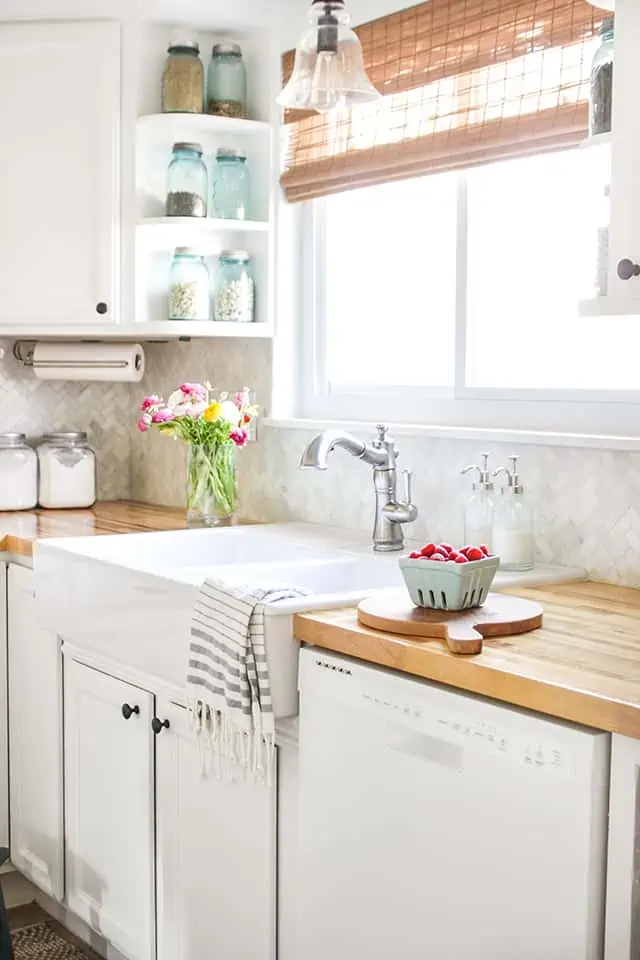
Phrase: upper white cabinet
(216,854)
(109,792)
(35,739)
(59,174)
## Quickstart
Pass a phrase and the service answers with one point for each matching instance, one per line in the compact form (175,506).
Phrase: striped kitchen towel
(228,678)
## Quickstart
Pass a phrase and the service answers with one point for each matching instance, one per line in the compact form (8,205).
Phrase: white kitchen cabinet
(622,939)
(4,759)
(35,739)
(109,792)
(59,173)
(216,850)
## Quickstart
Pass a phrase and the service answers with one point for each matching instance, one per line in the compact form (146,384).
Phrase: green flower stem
(211,480)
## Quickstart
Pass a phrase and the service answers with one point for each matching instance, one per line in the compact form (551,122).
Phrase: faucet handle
(381,431)
(408,486)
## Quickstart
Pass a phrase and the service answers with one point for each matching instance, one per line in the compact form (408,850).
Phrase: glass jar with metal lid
(67,471)
(227,81)
(189,286)
(187,182)
(234,291)
(183,79)
(18,473)
(230,187)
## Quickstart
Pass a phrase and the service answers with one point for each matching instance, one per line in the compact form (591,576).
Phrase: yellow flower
(212,413)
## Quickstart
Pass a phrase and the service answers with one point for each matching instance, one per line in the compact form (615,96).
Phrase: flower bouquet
(213,429)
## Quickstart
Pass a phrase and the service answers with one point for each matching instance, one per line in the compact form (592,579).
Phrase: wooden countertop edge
(552,698)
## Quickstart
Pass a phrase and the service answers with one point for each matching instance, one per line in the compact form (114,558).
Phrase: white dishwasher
(435,825)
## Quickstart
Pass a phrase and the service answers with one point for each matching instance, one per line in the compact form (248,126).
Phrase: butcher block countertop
(20,530)
(582,665)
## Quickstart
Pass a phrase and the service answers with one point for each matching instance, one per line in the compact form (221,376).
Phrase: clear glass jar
(234,291)
(227,81)
(183,79)
(188,286)
(601,284)
(230,187)
(187,182)
(601,96)
(67,471)
(18,473)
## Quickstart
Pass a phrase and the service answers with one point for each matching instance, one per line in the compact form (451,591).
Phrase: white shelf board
(166,233)
(609,307)
(167,330)
(599,140)
(194,125)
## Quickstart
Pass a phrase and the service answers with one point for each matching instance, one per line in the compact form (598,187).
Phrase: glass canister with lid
(189,286)
(234,292)
(601,96)
(187,182)
(230,187)
(227,82)
(183,79)
(67,471)
(18,473)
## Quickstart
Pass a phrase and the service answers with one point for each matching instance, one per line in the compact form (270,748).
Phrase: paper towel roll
(88,361)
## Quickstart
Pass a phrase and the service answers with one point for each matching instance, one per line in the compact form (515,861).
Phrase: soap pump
(479,508)
(513,538)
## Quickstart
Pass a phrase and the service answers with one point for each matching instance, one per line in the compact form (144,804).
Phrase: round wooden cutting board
(500,616)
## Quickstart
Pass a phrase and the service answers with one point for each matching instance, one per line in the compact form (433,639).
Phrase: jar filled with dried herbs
(601,97)
(227,82)
(183,79)
(189,286)
(187,182)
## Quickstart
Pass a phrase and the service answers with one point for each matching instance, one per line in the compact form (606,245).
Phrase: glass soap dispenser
(479,508)
(513,538)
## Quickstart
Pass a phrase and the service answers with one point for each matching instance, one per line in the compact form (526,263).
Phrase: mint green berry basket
(449,586)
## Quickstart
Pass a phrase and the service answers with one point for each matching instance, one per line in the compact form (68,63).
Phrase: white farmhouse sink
(129,598)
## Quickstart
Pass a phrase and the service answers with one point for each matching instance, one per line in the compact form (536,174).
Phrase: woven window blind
(462,82)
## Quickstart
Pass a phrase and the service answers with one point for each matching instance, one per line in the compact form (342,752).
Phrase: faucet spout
(316,453)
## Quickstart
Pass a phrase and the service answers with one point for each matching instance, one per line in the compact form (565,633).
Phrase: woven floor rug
(40,942)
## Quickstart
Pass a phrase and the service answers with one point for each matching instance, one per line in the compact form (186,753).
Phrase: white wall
(201,12)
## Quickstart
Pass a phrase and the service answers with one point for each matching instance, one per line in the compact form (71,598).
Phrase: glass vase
(212,496)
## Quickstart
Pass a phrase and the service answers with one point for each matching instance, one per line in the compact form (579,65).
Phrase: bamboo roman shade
(462,82)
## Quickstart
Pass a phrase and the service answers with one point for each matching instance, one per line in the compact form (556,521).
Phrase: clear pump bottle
(513,531)
(479,508)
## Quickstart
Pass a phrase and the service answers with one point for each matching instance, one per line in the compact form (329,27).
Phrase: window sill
(432,431)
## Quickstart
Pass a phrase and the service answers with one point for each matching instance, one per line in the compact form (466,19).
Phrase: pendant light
(329,67)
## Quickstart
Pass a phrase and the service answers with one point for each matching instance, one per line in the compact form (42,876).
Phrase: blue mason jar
(189,286)
(187,182)
(230,187)
(234,289)
(227,82)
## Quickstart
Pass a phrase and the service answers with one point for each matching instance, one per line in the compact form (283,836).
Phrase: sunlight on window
(390,284)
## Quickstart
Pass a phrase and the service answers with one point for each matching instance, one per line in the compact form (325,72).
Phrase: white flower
(230,413)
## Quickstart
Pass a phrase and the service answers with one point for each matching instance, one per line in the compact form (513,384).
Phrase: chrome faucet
(382,454)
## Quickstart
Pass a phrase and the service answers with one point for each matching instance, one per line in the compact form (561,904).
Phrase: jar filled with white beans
(234,292)
(67,471)
(18,473)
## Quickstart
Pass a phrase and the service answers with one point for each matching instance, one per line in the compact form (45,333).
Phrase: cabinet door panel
(59,168)
(35,739)
(110,808)
(216,856)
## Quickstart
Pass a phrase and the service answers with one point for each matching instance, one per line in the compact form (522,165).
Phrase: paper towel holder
(23,352)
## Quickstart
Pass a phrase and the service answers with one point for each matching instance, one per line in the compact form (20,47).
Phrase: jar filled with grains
(188,286)
(227,81)
(234,292)
(187,182)
(230,188)
(183,79)
(601,96)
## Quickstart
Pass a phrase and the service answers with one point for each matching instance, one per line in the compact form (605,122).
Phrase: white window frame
(579,412)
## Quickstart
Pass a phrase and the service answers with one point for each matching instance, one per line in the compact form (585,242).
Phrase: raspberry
(429,550)
(461,559)
(484,549)
(415,556)
(445,548)
(475,553)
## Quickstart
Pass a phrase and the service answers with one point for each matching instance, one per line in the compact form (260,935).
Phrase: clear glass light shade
(329,67)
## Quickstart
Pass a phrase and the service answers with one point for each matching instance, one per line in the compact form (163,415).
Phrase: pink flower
(195,410)
(144,423)
(150,402)
(239,437)
(239,399)
(195,390)
(162,416)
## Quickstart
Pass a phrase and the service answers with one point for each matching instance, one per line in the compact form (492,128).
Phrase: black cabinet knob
(628,269)
(128,711)
(101,307)
(158,725)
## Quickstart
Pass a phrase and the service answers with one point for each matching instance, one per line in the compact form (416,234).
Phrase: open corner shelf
(609,307)
(166,233)
(599,140)
(193,125)
(143,332)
